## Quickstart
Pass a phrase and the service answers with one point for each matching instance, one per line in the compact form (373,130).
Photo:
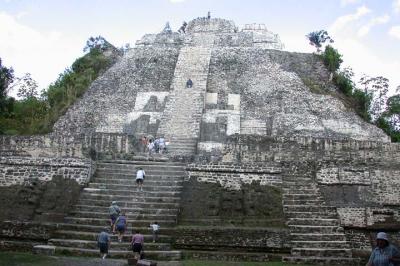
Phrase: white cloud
(395,32)
(358,54)
(364,30)
(396,6)
(43,54)
(176,1)
(342,21)
(363,60)
(348,2)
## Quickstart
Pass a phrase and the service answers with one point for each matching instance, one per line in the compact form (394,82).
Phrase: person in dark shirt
(120,226)
(189,83)
(103,242)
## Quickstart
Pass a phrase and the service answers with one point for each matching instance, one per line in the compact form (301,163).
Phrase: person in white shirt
(161,145)
(155,227)
(140,175)
(151,147)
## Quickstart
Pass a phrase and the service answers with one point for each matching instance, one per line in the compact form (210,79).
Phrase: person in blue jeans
(384,254)
(120,226)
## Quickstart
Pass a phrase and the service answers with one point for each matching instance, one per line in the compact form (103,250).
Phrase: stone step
(151,185)
(147,190)
(88,208)
(308,202)
(92,244)
(141,197)
(319,244)
(321,252)
(134,168)
(312,229)
(129,204)
(318,236)
(149,254)
(94,233)
(165,222)
(211,255)
(73,231)
(313,221)
(149,172)
(135,165)
(140,160)
(323,214)
(326,261)
(130,180)
(297,191)
(132,176)
(292,196)
(308,208)
(131,215)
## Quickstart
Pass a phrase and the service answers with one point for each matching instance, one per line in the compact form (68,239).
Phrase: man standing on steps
(140,175)
(114,211)
(103,242)
(189,83)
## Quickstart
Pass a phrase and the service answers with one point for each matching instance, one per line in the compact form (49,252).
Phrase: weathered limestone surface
(21,170)
(109,105)
(254,114)
(258,90)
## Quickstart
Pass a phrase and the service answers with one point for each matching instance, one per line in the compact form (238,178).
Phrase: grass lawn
(24,259)
(226,263)
(29,259)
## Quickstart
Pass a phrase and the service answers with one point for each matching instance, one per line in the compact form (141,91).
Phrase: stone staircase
(115,180)
(181,119)
(316,235)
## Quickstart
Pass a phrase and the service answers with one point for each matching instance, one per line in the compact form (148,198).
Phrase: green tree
(332,58)
(6,78)
(378,88)
(27,87)
(318,38)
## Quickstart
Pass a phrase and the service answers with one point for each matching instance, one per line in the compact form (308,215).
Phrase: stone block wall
(23,170)
(40,146)
(232,195)
(22,236)
(42,189)
(243,239)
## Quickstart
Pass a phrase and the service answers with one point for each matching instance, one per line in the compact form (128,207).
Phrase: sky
(44,37)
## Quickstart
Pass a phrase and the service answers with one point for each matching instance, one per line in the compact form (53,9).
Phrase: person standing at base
(137,244)
(155,227)
(104,242)
(140,175)
(384,254)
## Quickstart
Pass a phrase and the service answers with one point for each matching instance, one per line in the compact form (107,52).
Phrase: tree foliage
(35,115)
(318,38)
(6,78)
(332,58)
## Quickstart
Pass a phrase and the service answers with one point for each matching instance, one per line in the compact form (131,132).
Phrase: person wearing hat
(114,211)
(384,254)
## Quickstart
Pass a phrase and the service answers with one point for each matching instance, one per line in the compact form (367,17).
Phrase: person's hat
(382,236)
(114,202)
